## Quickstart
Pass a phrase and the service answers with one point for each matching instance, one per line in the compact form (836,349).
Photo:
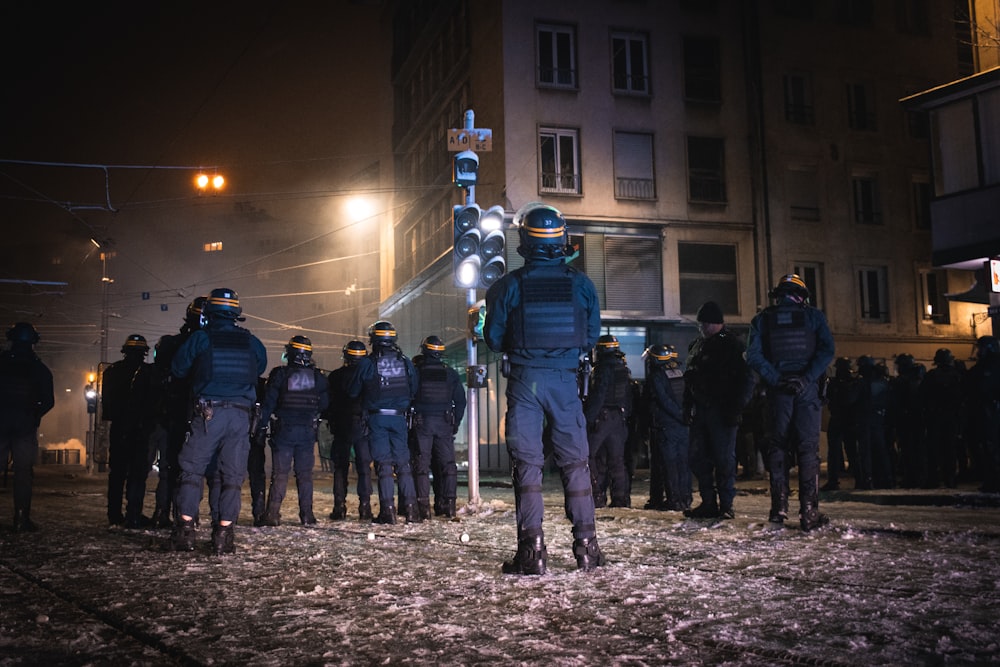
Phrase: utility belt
(609,410)
(205,408)
(388,413)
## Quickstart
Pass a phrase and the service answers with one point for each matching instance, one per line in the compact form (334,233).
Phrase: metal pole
(472,399)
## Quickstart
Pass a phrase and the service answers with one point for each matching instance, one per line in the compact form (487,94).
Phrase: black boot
(161,518)
(182,539)
(339,512)
(413,514)
(424,508)
(307,517)
(364,512)
(588,554)
(703,511)
(258,506)
(779,509)
(810,517)
(449,508)
(530,557)
(386,515)
(23,522)
(222,540)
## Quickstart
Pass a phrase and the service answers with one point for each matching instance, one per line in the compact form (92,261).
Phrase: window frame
(557,137)
(702,81)
(627,54)
(638,188)
(812,274)
(800,106)
(729,296)
(554,67)
(862,110)
(934,305)
(866,200)
(866,274)
(706,178)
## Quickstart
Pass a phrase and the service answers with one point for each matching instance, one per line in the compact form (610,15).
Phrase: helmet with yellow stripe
(791,284)
(223,302)
(299,351)
(542,231)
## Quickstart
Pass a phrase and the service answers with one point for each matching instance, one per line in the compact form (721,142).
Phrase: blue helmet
(542,231)
(22,332)
(223,302)
(299,351)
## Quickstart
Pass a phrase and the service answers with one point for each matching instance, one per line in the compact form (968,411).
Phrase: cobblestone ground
(896,578)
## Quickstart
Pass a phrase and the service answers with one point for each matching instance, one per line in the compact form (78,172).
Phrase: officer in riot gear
(174,413)
(128,402)
(224,361)
(982,394)
(26,395)
(347,424)
(906,420)
(437,412)
(296,395)
(717,386)
(257,460)
(790,347)
(843,396)
(544,316)
(941,405)
(607,408)
(386,381)
(668,429)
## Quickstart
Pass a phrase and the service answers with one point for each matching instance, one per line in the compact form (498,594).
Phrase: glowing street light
(204,182)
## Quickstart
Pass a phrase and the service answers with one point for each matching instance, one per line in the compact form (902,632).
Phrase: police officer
(843,396)
(790,347)
(174,413)
(347,424)
(127,398)
(25,396)
(982,392)
(607,408)
(544,316)
(940,395)
(905,419)
(224,361)
(387,382)
(717,387)
(437,412)
(668,429)
(257,459)
(296,394)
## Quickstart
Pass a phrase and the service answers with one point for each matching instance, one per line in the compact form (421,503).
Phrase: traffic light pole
(472,393)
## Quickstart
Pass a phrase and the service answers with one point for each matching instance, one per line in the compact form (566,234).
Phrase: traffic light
(478,254)
(90,392)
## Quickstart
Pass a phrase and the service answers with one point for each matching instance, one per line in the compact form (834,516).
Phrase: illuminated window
(214,246)
(560,160)
(935,306)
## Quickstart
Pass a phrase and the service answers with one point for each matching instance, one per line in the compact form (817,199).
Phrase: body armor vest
(550,318)
(231,357)
(435,390)
(790,341)
(391,376)
(675,381)
(620,395)
(299,396)
(17,389)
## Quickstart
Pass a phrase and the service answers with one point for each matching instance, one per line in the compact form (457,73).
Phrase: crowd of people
(206,412)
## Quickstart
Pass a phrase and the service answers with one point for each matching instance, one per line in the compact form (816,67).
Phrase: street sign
(476,139)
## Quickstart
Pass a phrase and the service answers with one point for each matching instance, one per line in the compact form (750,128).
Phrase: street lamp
(204,182)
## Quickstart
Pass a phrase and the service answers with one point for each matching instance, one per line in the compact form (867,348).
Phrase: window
(214,246)
(954,147)
(706,169)
(630,71)
(702,70)
(803,194)
(707,272)
(918,124)
(627,270)
(935,304)
(861,107)
(557,149)
(873,293)
(799,99)
(856,12)
(812,273)
(556,56)
(634,166)
(867,204)
(911,17)
(921,189)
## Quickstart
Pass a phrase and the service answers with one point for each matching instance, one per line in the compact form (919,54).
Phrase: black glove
(793,384)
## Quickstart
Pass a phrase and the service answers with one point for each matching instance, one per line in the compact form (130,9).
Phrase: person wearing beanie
(718,385)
